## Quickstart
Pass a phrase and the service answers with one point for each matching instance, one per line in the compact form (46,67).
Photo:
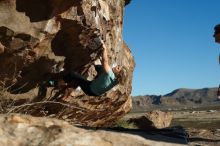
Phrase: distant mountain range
(178,98)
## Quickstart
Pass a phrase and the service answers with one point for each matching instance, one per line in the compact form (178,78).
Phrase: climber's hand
(102,42)
(103,45)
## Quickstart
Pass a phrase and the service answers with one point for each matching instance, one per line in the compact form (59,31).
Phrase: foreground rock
(207,137)
(153,120)
(38,37)
(17,130)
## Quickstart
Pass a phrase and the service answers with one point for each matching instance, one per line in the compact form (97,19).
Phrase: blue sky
(172,43)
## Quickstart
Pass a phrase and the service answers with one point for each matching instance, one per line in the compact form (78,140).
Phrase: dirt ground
(209,119)
(202,126)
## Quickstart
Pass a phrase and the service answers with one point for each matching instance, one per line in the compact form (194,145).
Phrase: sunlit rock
(37,35)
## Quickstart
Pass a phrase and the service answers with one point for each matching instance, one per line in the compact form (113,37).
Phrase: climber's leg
(78,80)
(55,79)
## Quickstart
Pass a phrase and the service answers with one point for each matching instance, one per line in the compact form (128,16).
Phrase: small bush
(123,123)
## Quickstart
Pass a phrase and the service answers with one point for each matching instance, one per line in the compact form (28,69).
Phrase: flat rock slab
(16,130)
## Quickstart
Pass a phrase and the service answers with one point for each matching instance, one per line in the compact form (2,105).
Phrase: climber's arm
(105,62)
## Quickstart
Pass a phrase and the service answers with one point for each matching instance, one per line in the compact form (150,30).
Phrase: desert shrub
(123,123)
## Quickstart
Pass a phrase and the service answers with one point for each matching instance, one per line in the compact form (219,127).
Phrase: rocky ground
(202,127)
(20,130)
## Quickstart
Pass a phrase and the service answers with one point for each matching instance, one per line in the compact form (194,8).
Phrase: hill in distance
(179,98)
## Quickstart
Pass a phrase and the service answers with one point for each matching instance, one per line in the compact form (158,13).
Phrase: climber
(217,40)
(217,33)
(106,79)
(218,92)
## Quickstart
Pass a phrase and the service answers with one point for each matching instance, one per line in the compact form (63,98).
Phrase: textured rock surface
(204,137)
(17,130)
(37,35)
(153,120)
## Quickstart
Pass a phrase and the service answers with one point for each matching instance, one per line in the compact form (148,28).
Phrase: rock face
(153,120)
(17,130)
(38,35)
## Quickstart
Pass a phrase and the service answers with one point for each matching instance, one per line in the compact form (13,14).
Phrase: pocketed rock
(39,34)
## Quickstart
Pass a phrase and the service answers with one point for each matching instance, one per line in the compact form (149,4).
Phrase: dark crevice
(6,35)
(39,10)
(15,43)
(66,43)
(32,75)
(74,42)
(67,38)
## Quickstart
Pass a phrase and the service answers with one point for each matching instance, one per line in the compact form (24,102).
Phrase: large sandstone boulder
(38,35)
(153,120)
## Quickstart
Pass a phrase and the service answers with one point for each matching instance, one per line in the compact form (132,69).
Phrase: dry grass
(25,104)
(123,123)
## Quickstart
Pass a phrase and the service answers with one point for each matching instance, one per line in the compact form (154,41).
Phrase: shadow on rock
(176,135)
(39,10)
(32,75)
